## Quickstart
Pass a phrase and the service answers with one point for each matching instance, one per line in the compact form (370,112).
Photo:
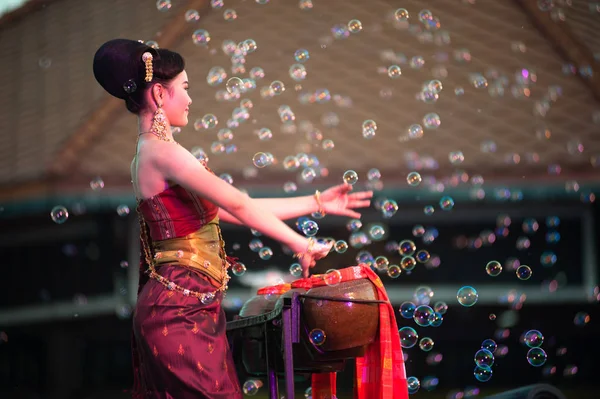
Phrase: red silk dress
(180,347)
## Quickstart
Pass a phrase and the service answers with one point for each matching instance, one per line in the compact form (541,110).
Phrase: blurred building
(494,104)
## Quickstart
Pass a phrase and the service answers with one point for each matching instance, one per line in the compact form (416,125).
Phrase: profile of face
(176,100)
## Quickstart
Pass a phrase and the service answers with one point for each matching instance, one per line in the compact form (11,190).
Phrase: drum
(338,321)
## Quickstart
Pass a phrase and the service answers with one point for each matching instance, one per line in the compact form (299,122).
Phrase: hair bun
(119,68)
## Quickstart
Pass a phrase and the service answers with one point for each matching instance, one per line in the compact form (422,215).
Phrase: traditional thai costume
(180,347)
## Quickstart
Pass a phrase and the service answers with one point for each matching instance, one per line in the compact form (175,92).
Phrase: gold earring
(159,124)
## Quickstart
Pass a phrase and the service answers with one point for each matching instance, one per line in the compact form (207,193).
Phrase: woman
(180,347)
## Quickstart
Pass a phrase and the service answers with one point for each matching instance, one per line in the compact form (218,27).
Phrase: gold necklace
(161,136)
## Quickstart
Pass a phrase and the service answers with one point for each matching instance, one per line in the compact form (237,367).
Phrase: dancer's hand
(309,255)
(337,200)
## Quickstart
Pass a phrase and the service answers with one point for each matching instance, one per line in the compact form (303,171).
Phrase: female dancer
(179,346)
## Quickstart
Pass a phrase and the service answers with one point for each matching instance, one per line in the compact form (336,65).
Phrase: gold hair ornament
(147,58)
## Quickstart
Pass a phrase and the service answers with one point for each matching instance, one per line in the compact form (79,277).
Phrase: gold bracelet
(319,203)
(301,255)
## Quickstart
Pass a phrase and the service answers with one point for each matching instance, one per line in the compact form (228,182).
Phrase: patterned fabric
(176,212)
(381,373)
(179,345)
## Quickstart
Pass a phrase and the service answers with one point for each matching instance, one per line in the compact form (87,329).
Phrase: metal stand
(291,335)
(288,317)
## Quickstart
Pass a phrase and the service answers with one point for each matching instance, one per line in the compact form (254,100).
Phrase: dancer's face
(176,102)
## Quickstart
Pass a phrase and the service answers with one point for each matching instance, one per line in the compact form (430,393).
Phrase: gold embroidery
(211,348)
(217,386)
(169,366)
(153,313)
(225,365)
(387,363)
(180,312)
(195,329)
(170,294)
(199,366)
(165,331)
(155,351)
(180,350)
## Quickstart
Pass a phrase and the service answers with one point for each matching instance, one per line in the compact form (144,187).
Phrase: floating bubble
(436,319)
(209,121)
(251,387)
(428,210)
(260,160)
(440,307)
(317,337)
(297,72)
(296,270)
(59,214)
(415,131)
(413,384)
(377,232)
(389,207)
(234,85)
(426,344)
(408,337)
(341,246)
(413,179)
(418,230)
(401,15)
(431,121)
(524,272)
(289,187)
(97,184)
(354,26)
(456,157)
(406,247)
(301,55)
(238,269)
(533,339)
(407,310)
(489,344)
(163,5)
(581,319)
(394,71)
(192,16)
(467,296)
(484,358)
(394,271)
(201,37)
(229,15)
(265,253)
(482,374)
(122,210)
(493,268)
(422,256)
(277,86)
(310,228)
(332,278)
(350,177)
(536,357)
(422,314)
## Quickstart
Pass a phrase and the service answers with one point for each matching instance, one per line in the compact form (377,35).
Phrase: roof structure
(519,97)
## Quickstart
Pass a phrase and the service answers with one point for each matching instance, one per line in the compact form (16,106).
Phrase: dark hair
(120,70)
(168,65)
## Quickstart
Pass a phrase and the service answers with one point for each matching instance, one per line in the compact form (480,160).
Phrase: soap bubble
(467,296)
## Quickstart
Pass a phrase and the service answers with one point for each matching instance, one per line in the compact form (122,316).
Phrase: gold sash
(202,250)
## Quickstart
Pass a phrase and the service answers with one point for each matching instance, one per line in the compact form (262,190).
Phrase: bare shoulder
(180,166)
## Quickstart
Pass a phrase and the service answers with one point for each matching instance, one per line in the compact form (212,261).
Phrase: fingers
(361,195)
(359,204)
